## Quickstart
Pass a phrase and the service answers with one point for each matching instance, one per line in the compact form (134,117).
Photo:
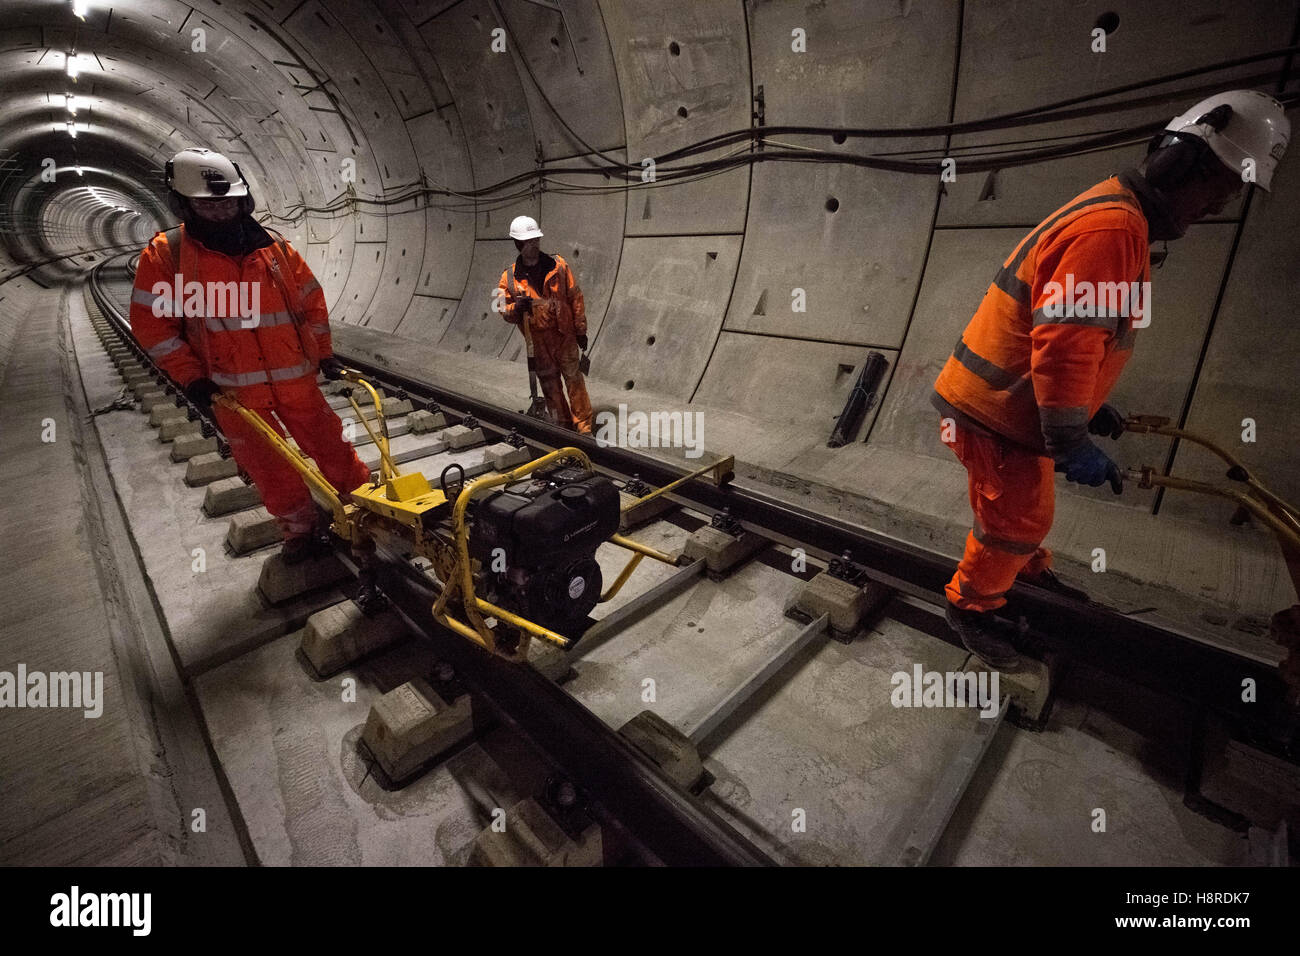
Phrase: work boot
(302,548)
(984,636)
(1048,581)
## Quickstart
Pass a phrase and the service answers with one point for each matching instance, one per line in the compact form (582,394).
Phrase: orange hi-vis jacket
(211,335)
(1055,328)
(567,312)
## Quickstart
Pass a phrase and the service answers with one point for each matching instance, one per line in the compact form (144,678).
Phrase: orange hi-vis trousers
(1012,496)
(319,433)
(557,357)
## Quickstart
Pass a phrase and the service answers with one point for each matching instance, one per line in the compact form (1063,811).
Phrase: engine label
(573,534)
(576,587)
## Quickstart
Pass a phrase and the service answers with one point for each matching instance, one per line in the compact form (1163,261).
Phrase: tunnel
(781,216)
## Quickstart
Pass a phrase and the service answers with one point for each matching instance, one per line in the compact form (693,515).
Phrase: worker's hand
(1108,421)
(582,342)
(524,304)
(200,392)
(1086,464)
(331,368)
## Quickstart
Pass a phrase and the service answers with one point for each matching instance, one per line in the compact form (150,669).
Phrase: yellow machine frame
(403,502)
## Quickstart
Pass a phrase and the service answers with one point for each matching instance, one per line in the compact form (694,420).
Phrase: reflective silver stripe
(1002,544)
(995,375)
(244,378)
(948,410)
(234,381)
(1060,417)
(308,287)
(236,323)
(1009,282)
(300,521)
(165,347)
(1126,336)
(140,297)
(259,377)
(1060,440)
(968,591)
(1013,285)
(280,374)
(1098,321)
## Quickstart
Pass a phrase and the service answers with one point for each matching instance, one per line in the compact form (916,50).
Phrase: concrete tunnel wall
(688,287)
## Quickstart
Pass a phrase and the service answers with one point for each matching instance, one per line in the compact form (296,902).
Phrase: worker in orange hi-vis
(1027,381)
(260,339)
(544,289)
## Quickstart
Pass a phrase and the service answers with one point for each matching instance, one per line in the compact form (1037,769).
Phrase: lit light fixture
(72,103)
(80,8)
(72,129)
(73,69)
(79,172)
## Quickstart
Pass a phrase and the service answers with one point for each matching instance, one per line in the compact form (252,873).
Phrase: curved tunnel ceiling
(378,136)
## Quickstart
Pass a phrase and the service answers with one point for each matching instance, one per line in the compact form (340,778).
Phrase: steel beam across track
(1155,657)
(667,821)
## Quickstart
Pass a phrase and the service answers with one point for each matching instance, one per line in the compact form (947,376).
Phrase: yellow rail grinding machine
(526,538)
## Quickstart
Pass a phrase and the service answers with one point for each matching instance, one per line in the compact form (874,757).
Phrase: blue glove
(1107,421)
(1087,464)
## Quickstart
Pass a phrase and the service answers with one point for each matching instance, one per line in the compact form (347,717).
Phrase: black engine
(537,542)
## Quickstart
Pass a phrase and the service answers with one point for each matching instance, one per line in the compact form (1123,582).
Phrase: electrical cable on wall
(974,158)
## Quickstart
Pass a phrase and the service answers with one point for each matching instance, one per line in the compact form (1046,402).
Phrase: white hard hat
(525,227)
(1239,125)
(202,174)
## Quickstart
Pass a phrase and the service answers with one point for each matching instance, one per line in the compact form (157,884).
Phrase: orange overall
(1029,372)
(268,365)
(557,319)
